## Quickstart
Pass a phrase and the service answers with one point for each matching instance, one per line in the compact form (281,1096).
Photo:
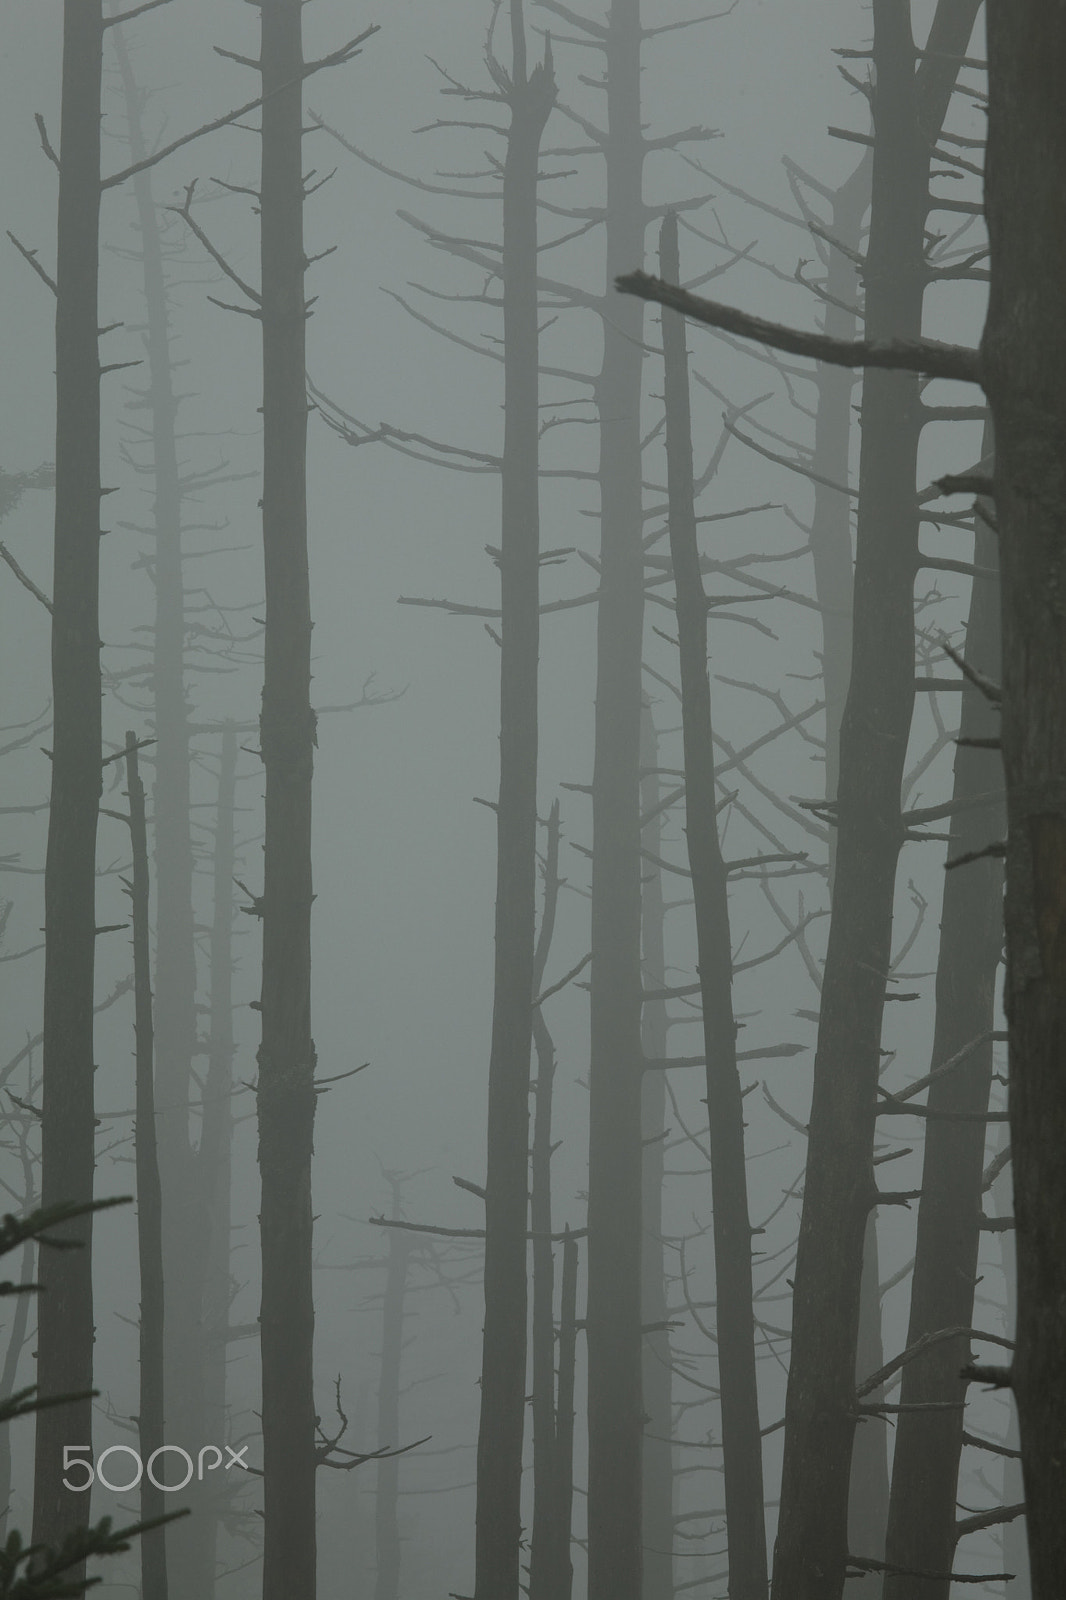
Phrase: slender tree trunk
(65,1311)
(925,1469)
(286,1094)
(909,107)
(503,1372)
(217,1136)
(186,1222)
(658,1455)
(1025,362)
(150,1424)
(564,1422)
(615,1405)
(16,1343)
(547,1558)
(735,1321)
(387,1502)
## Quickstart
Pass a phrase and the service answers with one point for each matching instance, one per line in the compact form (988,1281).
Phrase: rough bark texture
(503,1371)
(65,1311)
(186,1222)
(658,1463)
(909,107)
(286,1093)
(921,1532)
(615,1407)
(1025,362)
(150,1432)
(735,1322)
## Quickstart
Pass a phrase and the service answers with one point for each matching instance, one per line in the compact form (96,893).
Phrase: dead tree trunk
(65,1312)
(564,1423)
(217,1134)
(615,1406)
(549,1561)
(530,96)
(387,1501)
(735,1321)
(1025,363)
(185,1221)
(921,1534)
(286,1092)
(657,1472)
(150,1426)
(909,106)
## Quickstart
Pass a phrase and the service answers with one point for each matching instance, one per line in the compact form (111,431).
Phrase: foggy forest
(533,815)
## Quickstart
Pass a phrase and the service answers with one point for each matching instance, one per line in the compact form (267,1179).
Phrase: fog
(407,765)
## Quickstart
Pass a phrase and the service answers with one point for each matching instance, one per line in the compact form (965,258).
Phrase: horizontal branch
(927,356)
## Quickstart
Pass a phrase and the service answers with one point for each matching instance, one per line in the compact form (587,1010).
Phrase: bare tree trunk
(657,1456)
(1025,363)
(929,1443)
(530,97)
(548,1561)
(387,1501)
(186,1223)
(909,107)
(735,1320)
(65,1313)
(217,1136)
(564,1424)
(150,1424)
(615,1406)
(286,1093)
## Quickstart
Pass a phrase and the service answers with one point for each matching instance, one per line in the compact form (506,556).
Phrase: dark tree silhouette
(529,96)
(65,1317)
(1024,350)
(741,1438)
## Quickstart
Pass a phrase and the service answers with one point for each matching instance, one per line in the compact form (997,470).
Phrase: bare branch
(926,356)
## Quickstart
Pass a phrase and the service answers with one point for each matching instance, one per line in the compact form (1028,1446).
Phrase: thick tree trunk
(735,1321)
(65,1310)
(656,1372)
(615,1406)
(909,107)
(1025,363)
(217,1136)
(921,1533)
(503,1371)
(150,1429)
(186,1223)
(286,1093)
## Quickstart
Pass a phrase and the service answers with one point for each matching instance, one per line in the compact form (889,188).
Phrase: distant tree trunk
(549,1562)
(186,1223)
(530,97)
(387,1503)
(150,1424)
(286,1094)
(735,1320)
(921,1534)
(217,1136)
(657,1458)
(1025,364)
(909,107)
(615,1405)
(65,1308)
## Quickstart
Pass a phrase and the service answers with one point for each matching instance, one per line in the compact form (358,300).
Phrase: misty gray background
(405,858)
